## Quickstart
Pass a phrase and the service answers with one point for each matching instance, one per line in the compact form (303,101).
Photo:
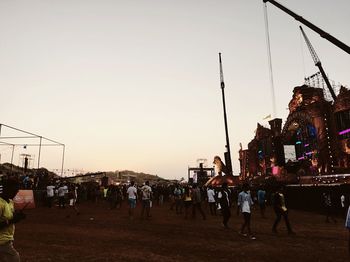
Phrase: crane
(318,30)
(228,152)
(317,62)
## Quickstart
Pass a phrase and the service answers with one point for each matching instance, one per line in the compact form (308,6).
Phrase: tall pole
(64,148)
(39,152)
(13,150)
(228,153)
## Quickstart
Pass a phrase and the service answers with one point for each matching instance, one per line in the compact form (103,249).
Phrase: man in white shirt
(244,203)
(211,200)
(62,190)
(132,196)
(50,193)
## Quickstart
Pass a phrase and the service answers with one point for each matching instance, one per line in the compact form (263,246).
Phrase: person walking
(224,202)
(347,225)
(211,200)
(187,200)
(196,201)
(262,201)
(132,196)
(50,193)
(178,199)
(244,204)
(62,191)
(73,196)
(146,200)
(8,218)
(279,206)
(327,201)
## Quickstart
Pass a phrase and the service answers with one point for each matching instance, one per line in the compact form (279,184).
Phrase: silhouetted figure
(196,201)
(279,206)
(327,201)
(262,201)
(146,199)
(224,201)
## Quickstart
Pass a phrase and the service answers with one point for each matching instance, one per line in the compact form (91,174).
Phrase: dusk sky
(135,84)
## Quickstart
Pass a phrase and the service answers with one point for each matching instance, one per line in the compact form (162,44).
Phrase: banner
(24,200)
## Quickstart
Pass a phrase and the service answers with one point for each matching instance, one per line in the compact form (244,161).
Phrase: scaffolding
(25,137)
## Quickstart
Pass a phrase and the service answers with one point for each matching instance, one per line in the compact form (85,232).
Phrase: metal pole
(13,149)
(222,84)
(64,148)
(39,152)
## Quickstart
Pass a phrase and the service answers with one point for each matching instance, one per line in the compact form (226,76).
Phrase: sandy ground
(101,234)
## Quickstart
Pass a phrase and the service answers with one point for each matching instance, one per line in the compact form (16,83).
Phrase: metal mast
(228,153)
(318,30)
(318,63)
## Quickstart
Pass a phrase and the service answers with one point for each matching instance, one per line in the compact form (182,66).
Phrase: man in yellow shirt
(8,218)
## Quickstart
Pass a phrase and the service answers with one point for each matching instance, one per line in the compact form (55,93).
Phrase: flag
(267,117)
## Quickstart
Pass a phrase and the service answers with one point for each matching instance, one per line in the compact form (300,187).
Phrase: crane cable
(270,60)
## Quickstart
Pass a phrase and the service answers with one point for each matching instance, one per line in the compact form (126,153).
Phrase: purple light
(306,145)
(308,153)
(301,158)
(344,131)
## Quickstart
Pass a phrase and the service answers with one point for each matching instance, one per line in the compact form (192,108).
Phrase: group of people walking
(188,200)
(244,205)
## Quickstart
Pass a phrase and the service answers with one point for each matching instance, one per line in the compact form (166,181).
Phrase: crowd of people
(185,200)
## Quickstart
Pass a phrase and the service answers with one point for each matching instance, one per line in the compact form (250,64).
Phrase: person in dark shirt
(279,206)
(196,201)
(224,201)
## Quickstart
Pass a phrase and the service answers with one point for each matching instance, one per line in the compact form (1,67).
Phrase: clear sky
(135,84)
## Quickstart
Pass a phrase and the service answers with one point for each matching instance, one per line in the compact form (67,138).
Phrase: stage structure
(200,174)
(313,145)
(25,140)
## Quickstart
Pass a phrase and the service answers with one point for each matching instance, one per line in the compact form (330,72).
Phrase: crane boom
(311,49)
(318,30)
(222,85)
(317,62)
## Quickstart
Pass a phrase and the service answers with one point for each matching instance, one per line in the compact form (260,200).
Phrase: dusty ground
(49,235)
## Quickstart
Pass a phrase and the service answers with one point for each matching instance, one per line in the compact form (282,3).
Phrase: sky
(135,84)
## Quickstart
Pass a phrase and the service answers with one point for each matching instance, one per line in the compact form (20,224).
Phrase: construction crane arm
(318,30)
(311,49)
(317,62)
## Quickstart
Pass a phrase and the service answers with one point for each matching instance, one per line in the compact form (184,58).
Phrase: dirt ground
(101,234)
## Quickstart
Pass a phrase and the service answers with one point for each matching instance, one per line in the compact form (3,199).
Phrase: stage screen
(289,153)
